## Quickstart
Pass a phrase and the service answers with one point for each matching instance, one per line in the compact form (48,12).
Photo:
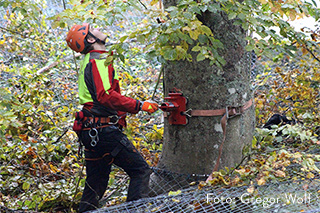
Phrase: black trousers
(113,147)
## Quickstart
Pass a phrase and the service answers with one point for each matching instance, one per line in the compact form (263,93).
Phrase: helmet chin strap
(99,41)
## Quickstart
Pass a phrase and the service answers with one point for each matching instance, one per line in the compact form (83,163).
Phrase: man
(102,118)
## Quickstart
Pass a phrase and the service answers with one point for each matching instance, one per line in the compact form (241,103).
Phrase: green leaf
(206,30)
(195,9)
(200,57)
(283,32)
(25,186)
(213,7)
(169,53)
(196,48)
(163,39)
(217,43)
(221,60)
(249,47)
(122,57)
(187,15)
(62,24)
(174,193)
(203,39)
(108,60)
(123,38)
(232,15)
(174,38)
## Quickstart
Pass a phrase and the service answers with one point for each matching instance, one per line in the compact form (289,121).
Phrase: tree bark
(193,149)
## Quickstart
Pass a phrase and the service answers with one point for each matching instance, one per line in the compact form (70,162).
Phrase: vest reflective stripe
(84,94)
(104,74)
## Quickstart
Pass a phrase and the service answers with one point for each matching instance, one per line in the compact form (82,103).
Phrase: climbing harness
(92,124)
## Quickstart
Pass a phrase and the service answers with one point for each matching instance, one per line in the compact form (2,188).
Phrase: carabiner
(95,133)
(94,137)
(93,143)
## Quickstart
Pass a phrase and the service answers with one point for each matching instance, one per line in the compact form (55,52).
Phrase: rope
(155,88)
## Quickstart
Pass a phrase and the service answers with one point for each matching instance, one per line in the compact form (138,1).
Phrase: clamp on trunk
(175,108)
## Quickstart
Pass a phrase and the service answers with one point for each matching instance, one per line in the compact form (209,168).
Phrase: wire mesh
(25,52)
(290,196)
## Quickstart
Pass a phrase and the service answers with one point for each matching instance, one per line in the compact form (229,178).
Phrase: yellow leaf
(280,173)
(310,175)
(194,34)
(23,137)
(53,168)
(173,193)
(263,1)
(51,148)
(297,155)
(175,200)
(251,189)
(241,171)
(153,2)
(261,181)
(304,51)
(235,181)
(292,15)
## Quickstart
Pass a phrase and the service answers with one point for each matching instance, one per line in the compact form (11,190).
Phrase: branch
(145,7)
(313,55)
(65,131)
(119,184)
(159,77)
(24,36)
(46,68)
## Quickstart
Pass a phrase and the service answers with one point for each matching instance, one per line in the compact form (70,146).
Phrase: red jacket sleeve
(111,97)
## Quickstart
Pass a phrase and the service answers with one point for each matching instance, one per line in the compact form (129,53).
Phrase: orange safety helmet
(76,37)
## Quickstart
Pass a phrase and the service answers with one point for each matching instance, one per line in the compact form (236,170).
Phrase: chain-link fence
(297,195)
(293,196)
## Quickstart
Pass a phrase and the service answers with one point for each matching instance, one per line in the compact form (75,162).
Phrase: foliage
(178,29)
(273,160)
(40,168)
(285,152)
(37,147)
(290,87)
(25,32)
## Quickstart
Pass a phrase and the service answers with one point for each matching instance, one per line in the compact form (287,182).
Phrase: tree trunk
(193,149)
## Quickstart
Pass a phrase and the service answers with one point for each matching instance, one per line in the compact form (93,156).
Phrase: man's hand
(150,106)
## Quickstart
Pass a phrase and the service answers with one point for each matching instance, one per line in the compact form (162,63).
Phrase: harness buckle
(234,111)
(114,119)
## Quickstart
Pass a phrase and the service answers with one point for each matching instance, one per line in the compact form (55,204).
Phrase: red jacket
(102,84)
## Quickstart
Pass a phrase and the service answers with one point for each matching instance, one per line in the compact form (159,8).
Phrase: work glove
(149,106)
